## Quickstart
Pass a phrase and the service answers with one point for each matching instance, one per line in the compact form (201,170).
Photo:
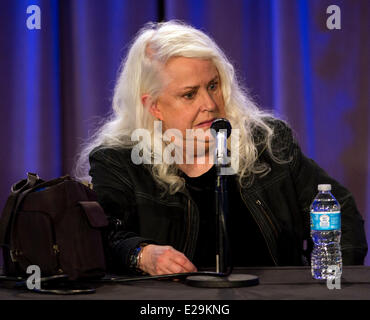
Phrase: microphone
(221,130)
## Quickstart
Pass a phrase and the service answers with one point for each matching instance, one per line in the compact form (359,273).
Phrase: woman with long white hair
(152,165)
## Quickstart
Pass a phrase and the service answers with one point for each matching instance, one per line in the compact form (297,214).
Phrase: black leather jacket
(279,202)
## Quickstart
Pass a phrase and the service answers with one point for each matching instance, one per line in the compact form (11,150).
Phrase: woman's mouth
(205,123)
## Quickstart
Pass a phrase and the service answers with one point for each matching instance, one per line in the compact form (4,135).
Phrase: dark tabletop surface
(276,283)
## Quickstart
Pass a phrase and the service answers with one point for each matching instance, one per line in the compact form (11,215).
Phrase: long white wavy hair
(139,74)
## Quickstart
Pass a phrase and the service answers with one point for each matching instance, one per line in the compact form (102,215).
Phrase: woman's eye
(189,95)
(213,86)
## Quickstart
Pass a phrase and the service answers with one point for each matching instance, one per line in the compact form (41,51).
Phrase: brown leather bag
(55,225)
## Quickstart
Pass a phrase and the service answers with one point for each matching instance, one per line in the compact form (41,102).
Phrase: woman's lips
(205,124)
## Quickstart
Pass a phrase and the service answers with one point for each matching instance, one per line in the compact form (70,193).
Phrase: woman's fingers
(157,260)
(184,263)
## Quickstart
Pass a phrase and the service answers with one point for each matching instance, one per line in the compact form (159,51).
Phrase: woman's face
(192,97)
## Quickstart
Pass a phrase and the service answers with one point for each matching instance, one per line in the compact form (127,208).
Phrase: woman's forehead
(189,71)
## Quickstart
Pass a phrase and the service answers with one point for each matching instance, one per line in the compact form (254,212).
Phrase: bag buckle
(14,254)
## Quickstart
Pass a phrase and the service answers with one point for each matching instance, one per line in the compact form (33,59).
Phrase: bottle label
(325,220)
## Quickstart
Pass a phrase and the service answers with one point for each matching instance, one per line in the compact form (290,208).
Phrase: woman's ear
(152,106)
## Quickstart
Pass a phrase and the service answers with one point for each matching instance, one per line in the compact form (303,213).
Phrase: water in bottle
(326,257)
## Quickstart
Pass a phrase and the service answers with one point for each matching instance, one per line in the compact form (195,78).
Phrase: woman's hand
(157,260)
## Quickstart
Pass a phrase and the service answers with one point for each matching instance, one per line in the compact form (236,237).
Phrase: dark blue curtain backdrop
(57,82)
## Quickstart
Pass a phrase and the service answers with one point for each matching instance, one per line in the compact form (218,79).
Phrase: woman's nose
(207,102)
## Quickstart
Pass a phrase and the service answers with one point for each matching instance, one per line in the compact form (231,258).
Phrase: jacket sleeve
(307,175)
(114,189)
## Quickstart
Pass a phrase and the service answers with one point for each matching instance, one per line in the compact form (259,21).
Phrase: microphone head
(221,123)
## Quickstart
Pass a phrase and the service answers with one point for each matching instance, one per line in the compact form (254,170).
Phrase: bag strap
(5,217)
(18,192)
(11,203)
(31,185)
(32,180)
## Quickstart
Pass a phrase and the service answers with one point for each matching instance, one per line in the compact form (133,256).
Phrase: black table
(276,283)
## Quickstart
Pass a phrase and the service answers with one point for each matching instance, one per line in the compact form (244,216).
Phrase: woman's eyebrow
(190,87)
(215,78)
(197,86)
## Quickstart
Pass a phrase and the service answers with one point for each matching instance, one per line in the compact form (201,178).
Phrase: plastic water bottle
(326,257)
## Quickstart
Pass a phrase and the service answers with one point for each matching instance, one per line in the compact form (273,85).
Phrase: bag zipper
(56,249)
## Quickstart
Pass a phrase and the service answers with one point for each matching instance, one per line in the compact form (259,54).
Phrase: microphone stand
(221,212)
(222,277)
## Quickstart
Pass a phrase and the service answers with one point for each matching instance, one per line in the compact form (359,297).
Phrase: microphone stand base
(231,281)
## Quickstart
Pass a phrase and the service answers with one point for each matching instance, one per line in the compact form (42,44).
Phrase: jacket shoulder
(113,155)
(281,141)
(279,126)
